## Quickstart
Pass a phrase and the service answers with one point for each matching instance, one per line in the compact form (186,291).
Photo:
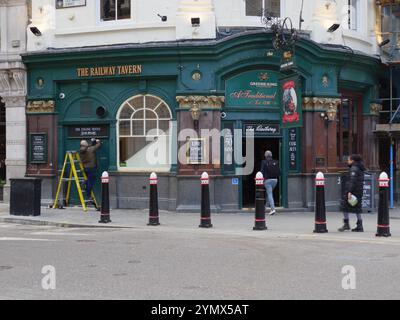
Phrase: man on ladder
(88,157)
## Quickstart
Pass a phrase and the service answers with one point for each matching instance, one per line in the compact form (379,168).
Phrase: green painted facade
(167,70)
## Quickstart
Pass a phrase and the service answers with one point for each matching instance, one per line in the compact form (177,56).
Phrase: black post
(105,199)
(205,218)
(383,229)
(153,208)
(259,223)
(320,210)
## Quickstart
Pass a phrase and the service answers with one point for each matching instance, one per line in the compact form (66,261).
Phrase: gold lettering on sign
(109,71)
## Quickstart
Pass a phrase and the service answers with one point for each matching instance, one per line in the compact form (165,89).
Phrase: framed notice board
(38,148)
(196,151)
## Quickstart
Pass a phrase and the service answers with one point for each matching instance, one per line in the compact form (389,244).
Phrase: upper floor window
(390,24)
(111,10)
(263,8)
(353,14)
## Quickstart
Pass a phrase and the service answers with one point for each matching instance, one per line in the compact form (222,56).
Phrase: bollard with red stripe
(260,206)
(205,218)
(383,229)
(153,207)
(320,210)
(105,199)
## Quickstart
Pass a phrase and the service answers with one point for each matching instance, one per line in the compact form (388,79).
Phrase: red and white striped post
(205,218)
(105,199)
(259,223)
(383,229)
(320,210)
(153,206)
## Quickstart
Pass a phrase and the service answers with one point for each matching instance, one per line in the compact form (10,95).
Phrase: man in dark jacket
(89,161)
(353,187)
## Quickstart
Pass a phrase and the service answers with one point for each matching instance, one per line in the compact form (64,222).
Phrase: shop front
(216,107)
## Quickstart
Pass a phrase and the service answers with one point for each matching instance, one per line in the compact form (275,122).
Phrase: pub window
(144,132)
(263,8)
(112,10)
(348,128)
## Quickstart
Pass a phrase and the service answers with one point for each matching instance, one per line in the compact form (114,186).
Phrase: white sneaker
(272,212)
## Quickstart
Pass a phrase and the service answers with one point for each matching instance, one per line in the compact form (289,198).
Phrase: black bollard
(383,229)
(105,199)
(259,223)
(320,210)
(153,208)
(205,218)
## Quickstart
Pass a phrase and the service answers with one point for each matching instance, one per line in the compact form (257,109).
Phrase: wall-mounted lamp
(195,114)
(329,116)
(163,18)
(195,22)
(333,27)
(35,31)
(383,43)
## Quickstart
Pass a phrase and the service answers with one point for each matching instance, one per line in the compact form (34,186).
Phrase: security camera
(62,95)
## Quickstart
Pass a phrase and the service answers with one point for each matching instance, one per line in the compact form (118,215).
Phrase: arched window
(144,130)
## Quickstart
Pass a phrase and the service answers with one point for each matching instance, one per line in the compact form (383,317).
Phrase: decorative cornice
(14,101)
(40,106)
(12,82)
(375,108)
(187,102)
(320,103)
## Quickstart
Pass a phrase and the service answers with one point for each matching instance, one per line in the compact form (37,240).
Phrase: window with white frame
(263,8)
(144,131)
(353,14)
(112,10)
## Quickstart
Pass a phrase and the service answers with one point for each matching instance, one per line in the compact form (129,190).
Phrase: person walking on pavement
(88,157)
(271,172)
(353,192)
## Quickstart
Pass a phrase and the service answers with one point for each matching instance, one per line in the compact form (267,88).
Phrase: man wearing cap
(89,161)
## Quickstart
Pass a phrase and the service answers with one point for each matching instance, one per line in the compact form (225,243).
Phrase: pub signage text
(123,70)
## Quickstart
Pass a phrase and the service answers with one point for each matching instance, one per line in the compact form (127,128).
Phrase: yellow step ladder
(71,158)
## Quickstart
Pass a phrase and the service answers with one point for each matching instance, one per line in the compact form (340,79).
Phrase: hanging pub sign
(288,60)
(252,89)
(291,103)
(69,3)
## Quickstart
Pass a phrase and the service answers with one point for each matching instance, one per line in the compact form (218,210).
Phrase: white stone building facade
(13,22)
(142,21)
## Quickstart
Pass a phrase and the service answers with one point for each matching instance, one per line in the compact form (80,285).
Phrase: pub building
(149,103)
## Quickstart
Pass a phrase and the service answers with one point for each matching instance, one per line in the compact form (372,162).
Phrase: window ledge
(109,27)
(358,36)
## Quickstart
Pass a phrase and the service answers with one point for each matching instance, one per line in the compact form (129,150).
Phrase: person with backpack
(353,192)
(271,172)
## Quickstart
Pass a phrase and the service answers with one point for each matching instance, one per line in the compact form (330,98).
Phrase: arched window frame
(131,119)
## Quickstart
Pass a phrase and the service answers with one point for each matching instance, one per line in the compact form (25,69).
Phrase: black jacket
(264,168)
(354,184)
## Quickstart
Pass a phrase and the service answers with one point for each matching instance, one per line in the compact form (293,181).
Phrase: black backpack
(272,170)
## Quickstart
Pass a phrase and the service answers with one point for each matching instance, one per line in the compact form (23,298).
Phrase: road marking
(61,233)
(23,239)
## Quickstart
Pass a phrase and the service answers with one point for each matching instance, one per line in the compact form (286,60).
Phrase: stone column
(370,145)
(15,140)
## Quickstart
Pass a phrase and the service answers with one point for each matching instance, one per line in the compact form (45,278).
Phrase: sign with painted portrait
(291,104)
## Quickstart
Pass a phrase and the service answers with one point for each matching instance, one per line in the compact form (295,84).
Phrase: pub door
(248,183)
(73,142)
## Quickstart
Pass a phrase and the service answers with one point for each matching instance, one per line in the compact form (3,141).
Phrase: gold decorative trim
(186,102)
(40,106)
(318,104)
(375,108)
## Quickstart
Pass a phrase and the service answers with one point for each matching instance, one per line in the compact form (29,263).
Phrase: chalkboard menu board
(38,148)
(95,131)
(292,149)
(195,151)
